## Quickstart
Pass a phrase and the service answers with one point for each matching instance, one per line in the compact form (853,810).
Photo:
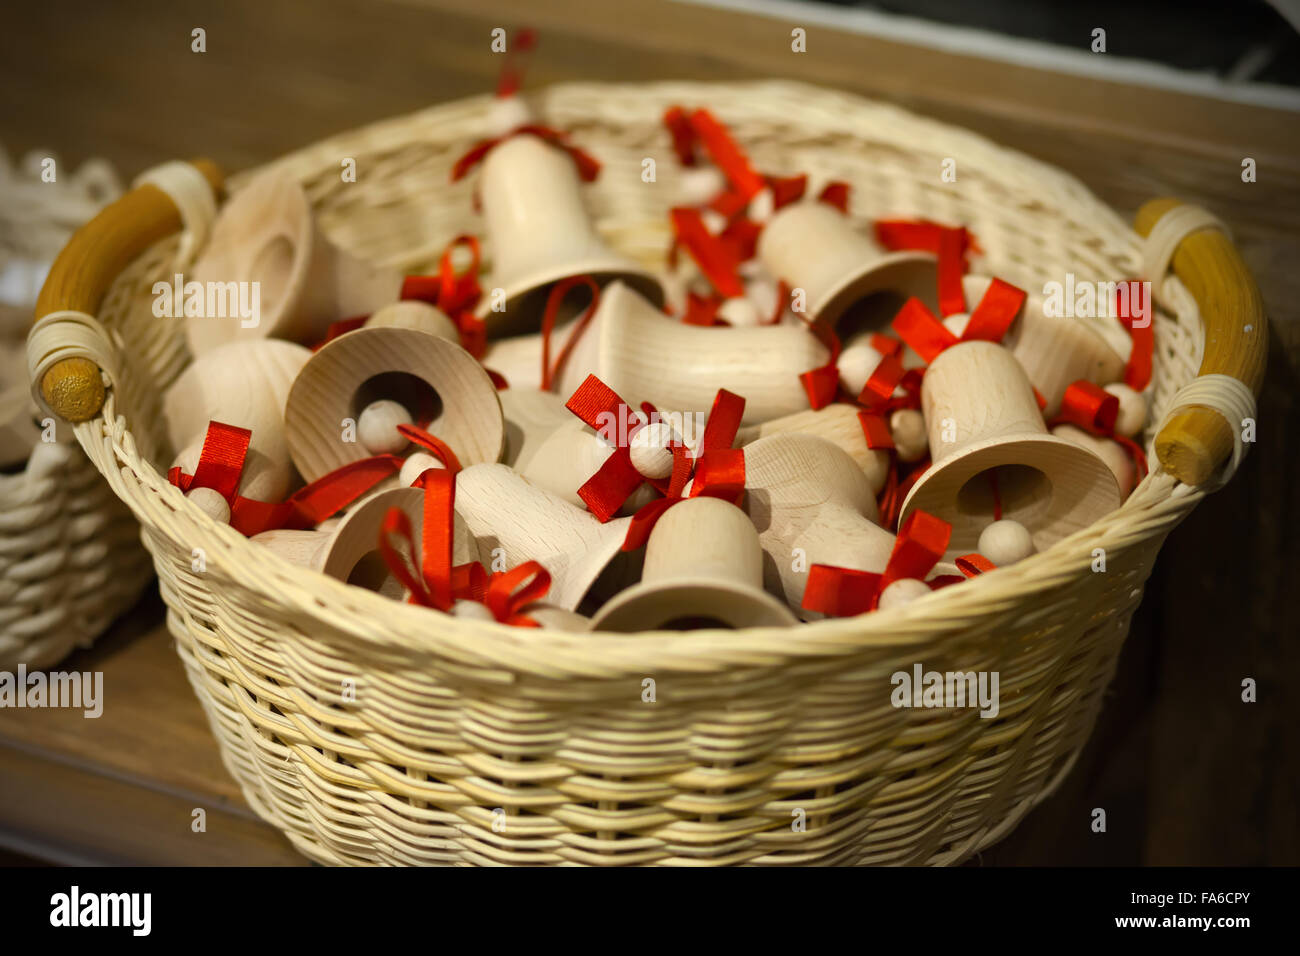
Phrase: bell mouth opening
(869,301)
(410,391)
(272,270)
(694,622)
(372,573)
(525,304)
(1019,492)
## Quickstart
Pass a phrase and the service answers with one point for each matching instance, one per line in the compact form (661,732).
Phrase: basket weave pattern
(473,743)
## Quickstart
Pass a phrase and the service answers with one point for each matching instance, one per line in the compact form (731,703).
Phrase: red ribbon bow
(588,165)
(454,293)
(221,463)
(509,593)
(1094,409)
(438,584)
(842,592)
(918,327)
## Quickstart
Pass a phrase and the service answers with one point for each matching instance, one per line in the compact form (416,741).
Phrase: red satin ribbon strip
(716,259)
(921,329)
(835,194)
(1137,373)
(588,166)
(1094,409)
(679,128)
(920,235)
(700,310)
(971,565)
(433,445)
(613,483)
(841,592)
(822,384)
(786,189)
(553,301)
(341,327)
(221,462)
(997,309)
(881,384)
(454,293)
(512,74)
(723,422)
(951,267)
(726,154)
(875,430)
(886,344)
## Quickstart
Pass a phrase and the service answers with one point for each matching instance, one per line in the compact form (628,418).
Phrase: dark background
(1187,773)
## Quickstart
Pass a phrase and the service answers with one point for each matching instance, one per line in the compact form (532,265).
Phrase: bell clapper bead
(471,610)
(415,465)
(902,591)
(1006,542)
(210,503)
(700,184)
(377,427)
(740,312)
(1132,409)
(911,439)
(857,363)
(762,205)
(650,452)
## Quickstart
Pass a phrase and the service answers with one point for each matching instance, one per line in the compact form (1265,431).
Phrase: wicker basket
(475,743)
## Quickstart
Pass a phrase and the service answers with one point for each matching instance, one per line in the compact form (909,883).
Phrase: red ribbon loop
(454,293)
(718,260)
(997,309)
(1094,409)
(553,301)
(512,74)
(822,384)
(433,445)
(510,592)
(726,154)
(588,166)
(921,329)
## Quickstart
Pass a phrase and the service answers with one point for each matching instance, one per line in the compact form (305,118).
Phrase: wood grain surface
(1186,771)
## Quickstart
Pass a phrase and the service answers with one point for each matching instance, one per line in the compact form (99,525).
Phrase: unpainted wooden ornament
(267,234)
(245,384)
(991,454)
(839,424)
(703,570)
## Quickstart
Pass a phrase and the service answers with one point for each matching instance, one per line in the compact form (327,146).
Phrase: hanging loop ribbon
(553,302)
(588,166)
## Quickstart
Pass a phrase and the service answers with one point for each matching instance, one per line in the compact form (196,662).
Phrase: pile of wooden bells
(797,418)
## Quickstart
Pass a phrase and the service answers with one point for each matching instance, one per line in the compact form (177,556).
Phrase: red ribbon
(557,294)
(718,260)
(221,463)
(454,293)
(588,166)
(1094,409)
(952,246)
(822,384)
(726,154)
(510,592)
(841,592)
(433,445)
(921,329)
(613,483)
(1137,373)
(512,74)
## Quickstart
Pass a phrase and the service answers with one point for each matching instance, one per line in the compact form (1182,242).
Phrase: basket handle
(83,272)
(1197,438)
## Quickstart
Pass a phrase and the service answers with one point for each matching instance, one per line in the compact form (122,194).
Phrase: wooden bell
(1108,450)
(1054,351)
(814,247)
(838,424)
(531,417)
(570,455)
(378,378)
(539,233)
(992,455)
(245,384)
(503,510)
(267,234)
(350,551)
(703,569)
(645,356)
(811,504)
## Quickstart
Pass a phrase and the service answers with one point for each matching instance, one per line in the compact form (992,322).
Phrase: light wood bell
(531,417)
(838,424)
(811,504)
(987,437)
(503,510)
(703,569)
(1054,351)
(267,234)
(814,247)
(539,233)
(245,384)
(428,379)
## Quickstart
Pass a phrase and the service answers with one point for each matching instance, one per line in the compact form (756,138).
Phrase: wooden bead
(907,426)
(553,618)
(416,464)
(1006,542)
(508,113)
(903,591)
(697,185)
(377,427)
(471,611)
(650,452)
(858,360)
(1132,417)
(739,313)
(210,503)
(703,569)
(986,435)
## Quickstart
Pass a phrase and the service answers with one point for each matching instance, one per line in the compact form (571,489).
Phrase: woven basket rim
(1155,506)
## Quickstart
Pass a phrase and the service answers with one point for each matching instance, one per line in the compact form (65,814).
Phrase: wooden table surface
(1187,772)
